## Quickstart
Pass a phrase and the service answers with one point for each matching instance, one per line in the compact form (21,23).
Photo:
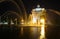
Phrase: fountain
(14,14)
(36,19)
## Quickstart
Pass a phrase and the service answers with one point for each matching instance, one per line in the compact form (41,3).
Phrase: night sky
(30,4)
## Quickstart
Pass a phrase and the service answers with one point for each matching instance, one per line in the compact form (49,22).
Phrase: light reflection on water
(32,32)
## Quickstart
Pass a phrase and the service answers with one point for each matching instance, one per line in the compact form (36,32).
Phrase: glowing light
(6,23)
(43,9)
(42,21)
(42,29)
(22,21)
(33,10)
(38,6)
(34,20)
(38,9)
(12,22)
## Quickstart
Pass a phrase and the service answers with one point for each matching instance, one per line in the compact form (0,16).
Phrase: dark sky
(30,4)
(52,4)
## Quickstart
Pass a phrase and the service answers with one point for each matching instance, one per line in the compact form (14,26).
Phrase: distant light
(12,22)
(22,21)
(33,10)
(38,9)
(43,8)
(34,20)
(38,6)
(42,21)
(5,22)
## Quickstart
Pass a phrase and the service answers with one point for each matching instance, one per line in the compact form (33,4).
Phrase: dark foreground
(14,32)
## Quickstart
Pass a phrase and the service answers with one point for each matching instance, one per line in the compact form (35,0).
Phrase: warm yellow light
(22,21)
(42,31)
(42,21)
(34,20)
(42,28)
(43,8)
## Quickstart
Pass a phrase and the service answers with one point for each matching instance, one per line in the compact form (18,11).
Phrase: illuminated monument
(37,14)
(37,18)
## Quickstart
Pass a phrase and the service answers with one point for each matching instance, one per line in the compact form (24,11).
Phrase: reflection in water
(21,30)
(34,30)
(42,29)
